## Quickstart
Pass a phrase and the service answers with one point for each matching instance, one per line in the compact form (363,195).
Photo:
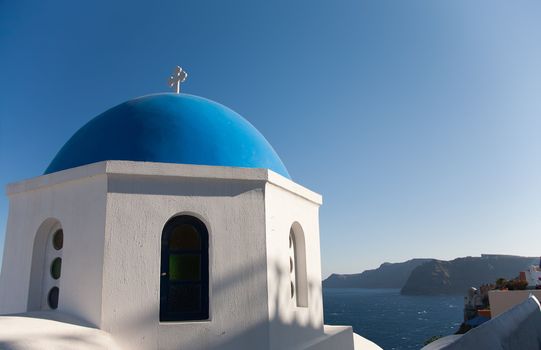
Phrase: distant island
(388,275)
(435,277)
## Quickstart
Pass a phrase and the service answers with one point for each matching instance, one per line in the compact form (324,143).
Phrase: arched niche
(297,264)
(46,267)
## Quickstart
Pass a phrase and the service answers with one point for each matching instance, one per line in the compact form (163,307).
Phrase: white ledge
(118,167)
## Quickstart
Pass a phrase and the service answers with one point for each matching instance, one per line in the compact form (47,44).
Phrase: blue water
(391,320)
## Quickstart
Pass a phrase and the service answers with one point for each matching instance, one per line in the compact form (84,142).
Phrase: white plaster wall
(79,206)
(137,209)
(113,213)
(334,337)
(51,330)
(292,327)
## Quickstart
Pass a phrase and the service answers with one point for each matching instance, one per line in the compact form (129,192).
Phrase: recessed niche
(290,265)
(56,267)
(292,290)
(58,239)
(52,298)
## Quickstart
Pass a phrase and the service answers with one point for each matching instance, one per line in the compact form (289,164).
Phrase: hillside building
(533,275)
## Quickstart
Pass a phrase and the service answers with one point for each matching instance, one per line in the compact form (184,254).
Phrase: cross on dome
(178,77)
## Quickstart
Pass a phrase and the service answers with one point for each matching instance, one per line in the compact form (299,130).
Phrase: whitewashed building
(167,222)
(533,275)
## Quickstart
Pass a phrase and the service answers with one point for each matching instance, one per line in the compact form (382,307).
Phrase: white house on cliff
(167,222)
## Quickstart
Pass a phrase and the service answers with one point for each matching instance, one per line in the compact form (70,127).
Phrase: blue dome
(169,128)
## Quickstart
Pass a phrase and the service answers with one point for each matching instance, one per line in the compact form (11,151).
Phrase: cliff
(388,275)
(438,277)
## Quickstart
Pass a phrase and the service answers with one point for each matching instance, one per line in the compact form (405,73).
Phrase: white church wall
(336,337)
(233,210)
(292,325)
(113,214)
(76,200)
(16,261)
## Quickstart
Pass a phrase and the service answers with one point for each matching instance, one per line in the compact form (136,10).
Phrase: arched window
(184,284)
(46,268)
(297,266)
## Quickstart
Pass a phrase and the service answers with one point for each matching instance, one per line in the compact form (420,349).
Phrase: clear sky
(418,121)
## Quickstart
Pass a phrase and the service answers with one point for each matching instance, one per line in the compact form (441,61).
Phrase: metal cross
(178,77)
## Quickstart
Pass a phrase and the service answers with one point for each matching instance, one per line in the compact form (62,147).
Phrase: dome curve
(169,128)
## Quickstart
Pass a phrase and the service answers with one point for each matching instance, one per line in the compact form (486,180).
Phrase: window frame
(165,283)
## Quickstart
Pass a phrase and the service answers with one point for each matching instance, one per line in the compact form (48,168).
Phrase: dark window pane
(52,298)
(58,239)
(183,267)
(184,298)
(184,270)
(184,237)
(56,266)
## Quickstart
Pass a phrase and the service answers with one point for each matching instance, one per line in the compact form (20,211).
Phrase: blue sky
(418,121)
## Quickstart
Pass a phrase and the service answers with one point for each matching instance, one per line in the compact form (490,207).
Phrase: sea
(391,320)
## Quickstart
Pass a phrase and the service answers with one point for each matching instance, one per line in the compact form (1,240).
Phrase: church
(166,222)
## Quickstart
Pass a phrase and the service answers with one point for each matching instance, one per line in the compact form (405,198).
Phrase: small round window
(56,267)
(290,264)
(292,290)
(52,298)
(58,239)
